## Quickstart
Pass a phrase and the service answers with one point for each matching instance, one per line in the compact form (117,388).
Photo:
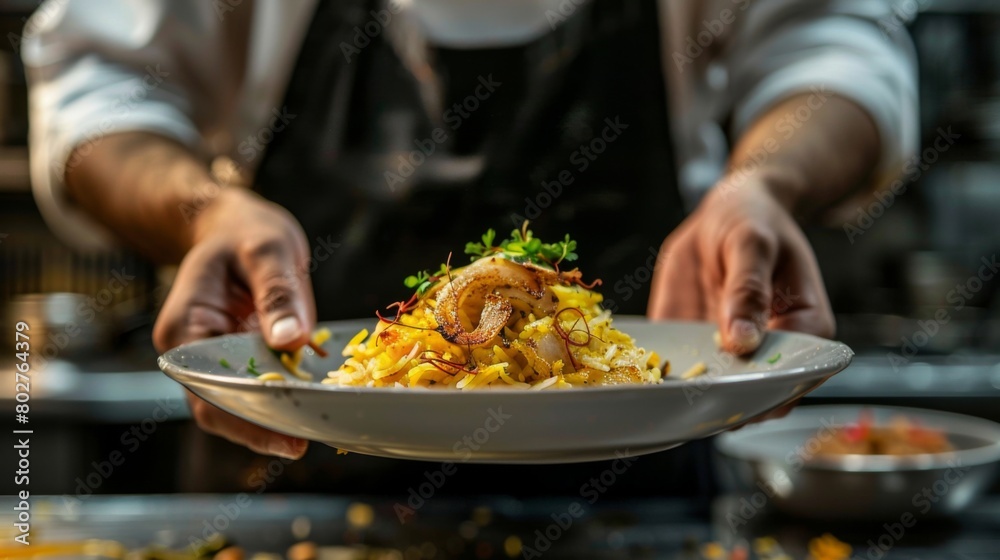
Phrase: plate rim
(179,372)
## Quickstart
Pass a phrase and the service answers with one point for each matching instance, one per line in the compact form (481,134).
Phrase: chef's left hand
(740,260)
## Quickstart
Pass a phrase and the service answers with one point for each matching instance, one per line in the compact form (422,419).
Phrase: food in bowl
(512,318)
(899,436)
(782,454)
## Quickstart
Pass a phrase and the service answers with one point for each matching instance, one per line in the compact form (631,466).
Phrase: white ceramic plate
(510,425)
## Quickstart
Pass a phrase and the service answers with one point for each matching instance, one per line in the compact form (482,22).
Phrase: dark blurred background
(102,391)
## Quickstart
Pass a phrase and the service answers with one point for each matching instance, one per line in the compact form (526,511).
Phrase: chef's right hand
(248,265)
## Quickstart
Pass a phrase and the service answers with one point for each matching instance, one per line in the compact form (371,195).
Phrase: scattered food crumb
(360,515)
(512,546)
(482,516)
(829,547)
(697,369)
(713,551)
(763,546)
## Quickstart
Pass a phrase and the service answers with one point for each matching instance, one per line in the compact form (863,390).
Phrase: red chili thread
(318,349)
(437,361)
(566,335)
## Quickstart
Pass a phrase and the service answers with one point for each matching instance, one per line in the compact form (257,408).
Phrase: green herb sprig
(521,247)
(252,367)
(423,280)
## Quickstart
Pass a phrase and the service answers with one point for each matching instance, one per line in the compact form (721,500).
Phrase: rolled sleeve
(831,49)
(89,78)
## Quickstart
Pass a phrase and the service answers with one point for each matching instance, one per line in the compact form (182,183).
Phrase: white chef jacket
(205,74)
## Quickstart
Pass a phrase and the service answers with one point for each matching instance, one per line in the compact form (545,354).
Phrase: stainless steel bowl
(775,464)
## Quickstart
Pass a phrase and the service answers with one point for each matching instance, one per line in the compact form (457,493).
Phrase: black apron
(585,103)
(570,131)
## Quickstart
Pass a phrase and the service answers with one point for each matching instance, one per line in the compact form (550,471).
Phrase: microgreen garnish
(225,363)
(252,366)
(424,280)
(774,359)
(479,250)
(414,281)
(523,246)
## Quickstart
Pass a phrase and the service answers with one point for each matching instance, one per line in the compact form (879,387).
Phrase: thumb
(749,262)
(276,274)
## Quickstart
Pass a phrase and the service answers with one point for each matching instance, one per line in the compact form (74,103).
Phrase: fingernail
(744,335)
(285,330)
(288,448)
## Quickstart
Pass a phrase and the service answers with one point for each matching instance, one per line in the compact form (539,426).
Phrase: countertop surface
(489,527)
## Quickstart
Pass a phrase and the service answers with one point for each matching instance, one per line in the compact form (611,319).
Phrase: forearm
(146,188)
(808,152)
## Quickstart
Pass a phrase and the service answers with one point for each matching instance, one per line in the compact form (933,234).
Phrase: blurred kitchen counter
(490,527)
(122,387)
(890,375)
(67,391)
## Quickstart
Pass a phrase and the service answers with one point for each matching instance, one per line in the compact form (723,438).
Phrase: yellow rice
(400,358)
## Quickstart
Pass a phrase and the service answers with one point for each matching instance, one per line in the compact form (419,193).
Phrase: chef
(681,143)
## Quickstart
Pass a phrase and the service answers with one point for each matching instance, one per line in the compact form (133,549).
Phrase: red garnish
(441,364)
(854,433)
(401,308)
(318,349)
(859,432)
(567,335)
(576,277)
(387,336)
